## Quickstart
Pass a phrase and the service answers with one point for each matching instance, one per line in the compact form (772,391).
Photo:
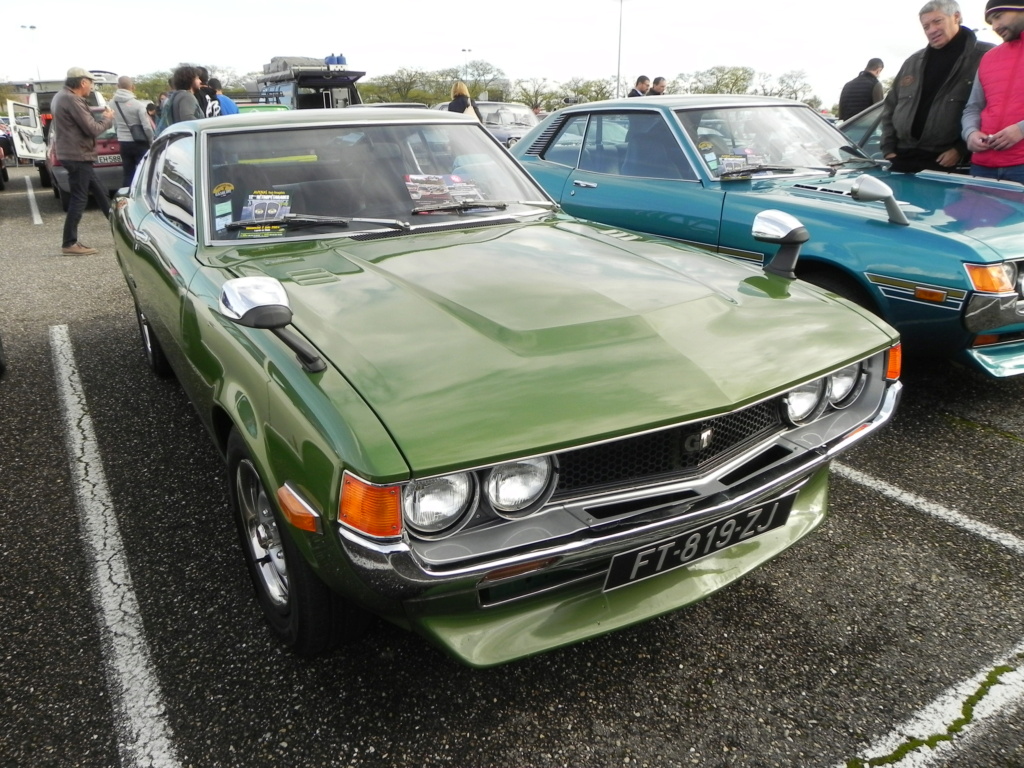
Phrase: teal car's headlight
(806,402)
(845,385)
(519,487)
(437,504)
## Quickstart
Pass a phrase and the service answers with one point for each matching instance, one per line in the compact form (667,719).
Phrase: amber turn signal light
(375,510)
(990,278)
(894,362)
(297,511)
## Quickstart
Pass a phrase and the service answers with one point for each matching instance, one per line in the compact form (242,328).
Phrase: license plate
(630,567)
(108,160)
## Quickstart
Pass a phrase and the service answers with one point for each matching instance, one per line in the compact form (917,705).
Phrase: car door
(26,130)
(632,172)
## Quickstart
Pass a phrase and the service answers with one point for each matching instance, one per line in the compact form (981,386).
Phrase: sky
(554,39)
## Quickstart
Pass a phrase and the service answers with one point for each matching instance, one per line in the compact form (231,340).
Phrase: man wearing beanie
(922,111)
(993,122)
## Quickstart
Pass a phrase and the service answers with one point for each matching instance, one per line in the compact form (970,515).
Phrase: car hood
(486,344)
(989,215)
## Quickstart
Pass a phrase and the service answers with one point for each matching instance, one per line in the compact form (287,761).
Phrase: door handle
(142,236)
(584,184)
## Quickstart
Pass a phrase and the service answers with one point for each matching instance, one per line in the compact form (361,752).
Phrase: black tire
(44,177)
(151,347)
(3,358)
(841,285)
(302,612)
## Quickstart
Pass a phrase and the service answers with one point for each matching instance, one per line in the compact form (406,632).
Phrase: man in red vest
(993,120)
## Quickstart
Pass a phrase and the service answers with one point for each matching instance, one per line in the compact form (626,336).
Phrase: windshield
(357,177)
(734,140)
(500,113)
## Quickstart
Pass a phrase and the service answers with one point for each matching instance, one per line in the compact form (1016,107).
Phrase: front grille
(672,453)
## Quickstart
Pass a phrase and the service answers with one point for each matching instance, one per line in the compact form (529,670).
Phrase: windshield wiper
(299,220)
(749,169)
(459,205)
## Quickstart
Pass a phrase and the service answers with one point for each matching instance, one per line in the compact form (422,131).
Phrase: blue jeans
(82,180)
(1009,173)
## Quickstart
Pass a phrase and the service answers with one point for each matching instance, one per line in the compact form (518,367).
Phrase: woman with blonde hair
(461,102)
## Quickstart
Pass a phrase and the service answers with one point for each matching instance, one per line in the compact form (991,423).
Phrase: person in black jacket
(461,102)
(861,92)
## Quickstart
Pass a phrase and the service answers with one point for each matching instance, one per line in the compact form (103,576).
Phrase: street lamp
(618,71)
(32,27)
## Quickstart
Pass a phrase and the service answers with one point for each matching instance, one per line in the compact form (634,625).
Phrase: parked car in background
(244,106)
(444,402)
(940,256)
(508,122)
(107,165)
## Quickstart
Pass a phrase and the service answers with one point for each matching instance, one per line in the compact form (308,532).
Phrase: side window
(605,145)
(565,149)
(652,151)
(175,185)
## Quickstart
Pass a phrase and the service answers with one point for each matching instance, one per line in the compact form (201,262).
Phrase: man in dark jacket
(921,113)
(861,92)
(75,145)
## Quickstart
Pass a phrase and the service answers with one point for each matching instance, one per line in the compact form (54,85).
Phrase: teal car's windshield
(737,141)
(274,182)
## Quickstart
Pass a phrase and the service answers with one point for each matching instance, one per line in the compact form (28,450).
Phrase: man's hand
(1006,138)
(977,142)
(949,158)
(107,113)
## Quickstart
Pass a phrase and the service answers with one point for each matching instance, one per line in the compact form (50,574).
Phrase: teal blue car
(939,256)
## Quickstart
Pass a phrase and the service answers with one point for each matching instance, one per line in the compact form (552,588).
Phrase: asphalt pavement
(894,635)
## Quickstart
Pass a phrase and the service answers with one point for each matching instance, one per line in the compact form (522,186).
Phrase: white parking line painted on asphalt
(951,516)
(144,737)
(1000,699)
(36,218)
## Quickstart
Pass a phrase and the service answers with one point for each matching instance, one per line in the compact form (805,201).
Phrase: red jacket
(1001,73)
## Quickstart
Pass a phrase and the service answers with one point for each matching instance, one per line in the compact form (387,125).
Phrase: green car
(444,402)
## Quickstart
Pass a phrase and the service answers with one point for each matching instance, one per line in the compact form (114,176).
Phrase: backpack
(166,113)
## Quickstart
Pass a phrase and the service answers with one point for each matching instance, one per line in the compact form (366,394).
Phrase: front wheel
(841,285)
(151,347)
(301,610)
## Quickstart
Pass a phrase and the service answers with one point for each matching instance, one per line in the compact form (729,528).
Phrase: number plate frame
(669,554)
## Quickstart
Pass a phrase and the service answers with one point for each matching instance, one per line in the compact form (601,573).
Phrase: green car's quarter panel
(954,220)
(457,344)
(482,346)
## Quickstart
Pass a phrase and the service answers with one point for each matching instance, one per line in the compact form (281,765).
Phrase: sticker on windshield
(264,205)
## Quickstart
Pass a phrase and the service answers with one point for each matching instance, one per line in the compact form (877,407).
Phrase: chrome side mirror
(262,302)
(773,226)
(868,189)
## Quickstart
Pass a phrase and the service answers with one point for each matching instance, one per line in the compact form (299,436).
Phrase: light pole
(32,27)
(466,52)
(618,71)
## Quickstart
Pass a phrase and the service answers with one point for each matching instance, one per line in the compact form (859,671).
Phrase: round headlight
(844,385)
(518,487)
(437,503)
(806,402)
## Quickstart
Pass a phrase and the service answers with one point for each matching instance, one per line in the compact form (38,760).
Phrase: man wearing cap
(75,145)
(993,122)
(921,113)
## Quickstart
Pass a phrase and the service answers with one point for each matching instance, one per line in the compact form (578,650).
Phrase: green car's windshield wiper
(459,205)
(746,170)
(472,205)
(299,220)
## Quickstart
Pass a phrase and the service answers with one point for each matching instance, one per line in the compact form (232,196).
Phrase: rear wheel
(303,613)
(44,177)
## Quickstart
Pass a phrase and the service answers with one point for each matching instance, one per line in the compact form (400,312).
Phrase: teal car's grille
(667,454)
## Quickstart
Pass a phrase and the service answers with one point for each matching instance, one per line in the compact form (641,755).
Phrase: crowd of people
(958,102)
(193,95)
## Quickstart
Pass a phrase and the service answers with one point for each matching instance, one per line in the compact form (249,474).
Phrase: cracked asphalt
(807,662)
